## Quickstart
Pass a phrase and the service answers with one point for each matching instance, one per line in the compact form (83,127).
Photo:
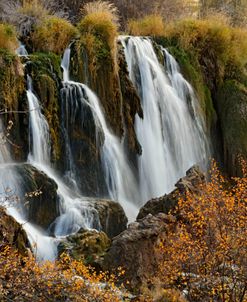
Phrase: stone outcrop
(12,233)
(135,250)
(112,217)
(191,182)
(41,199)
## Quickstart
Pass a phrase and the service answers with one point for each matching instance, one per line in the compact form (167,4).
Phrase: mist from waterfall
(171,133)
(121,183)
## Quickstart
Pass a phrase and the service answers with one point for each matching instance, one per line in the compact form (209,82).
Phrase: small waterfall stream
(172,139)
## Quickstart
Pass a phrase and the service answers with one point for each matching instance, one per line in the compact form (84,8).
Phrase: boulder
(12,233)
(191,182)
(112,217)
(135,250)
(86,245)
(40,195)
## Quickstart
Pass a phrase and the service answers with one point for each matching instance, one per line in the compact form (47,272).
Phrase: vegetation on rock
(151,25)
(53,35)
(205,253)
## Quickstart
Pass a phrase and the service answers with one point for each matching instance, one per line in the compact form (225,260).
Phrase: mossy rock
(12,101)
(86,245)
(42,208)
(232,109)
(95,66)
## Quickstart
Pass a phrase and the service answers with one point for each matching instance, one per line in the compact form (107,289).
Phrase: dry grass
(105,7)
(151,25)
(33,8)
(211,36)
(53,35)
(101,20)
(8,38)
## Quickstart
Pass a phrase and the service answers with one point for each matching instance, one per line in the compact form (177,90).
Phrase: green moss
(232,109)
(46,63)
(11,80)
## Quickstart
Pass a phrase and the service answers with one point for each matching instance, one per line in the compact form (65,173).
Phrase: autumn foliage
(23,279)
(205,253)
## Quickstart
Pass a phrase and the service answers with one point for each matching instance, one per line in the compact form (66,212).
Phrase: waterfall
(75,212)
(11,195)
(171,134)
(121,183)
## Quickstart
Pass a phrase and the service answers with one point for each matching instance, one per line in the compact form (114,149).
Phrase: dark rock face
(12,233)
(112,217)
(43,208)
(191,182)
(135,249)
(85,245)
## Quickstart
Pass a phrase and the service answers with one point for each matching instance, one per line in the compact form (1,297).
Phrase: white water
(21,51)
(39,130)
(75,212)
(171,139)
(121,183)
(11,196)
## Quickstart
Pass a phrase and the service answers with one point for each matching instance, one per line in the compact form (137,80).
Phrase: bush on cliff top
(212,39)
(53,35)
(101,20)
(151,25)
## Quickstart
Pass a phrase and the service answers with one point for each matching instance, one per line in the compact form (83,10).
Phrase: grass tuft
(151,25)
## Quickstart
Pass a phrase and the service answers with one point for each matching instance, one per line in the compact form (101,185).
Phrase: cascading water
(172,139)
(11,195)
(76,212)
(39,130)
(121,183)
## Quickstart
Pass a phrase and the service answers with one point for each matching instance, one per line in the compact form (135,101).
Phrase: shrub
(101,21)
(211,38)
(23,279)
(102,7)
(151,25)
(53,35)
(8,38)
(205,252)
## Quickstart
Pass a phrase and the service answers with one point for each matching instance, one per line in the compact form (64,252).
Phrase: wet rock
(135,249)
(86,245)
(112,217)
(41,199)
(191,182)
(12,233)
